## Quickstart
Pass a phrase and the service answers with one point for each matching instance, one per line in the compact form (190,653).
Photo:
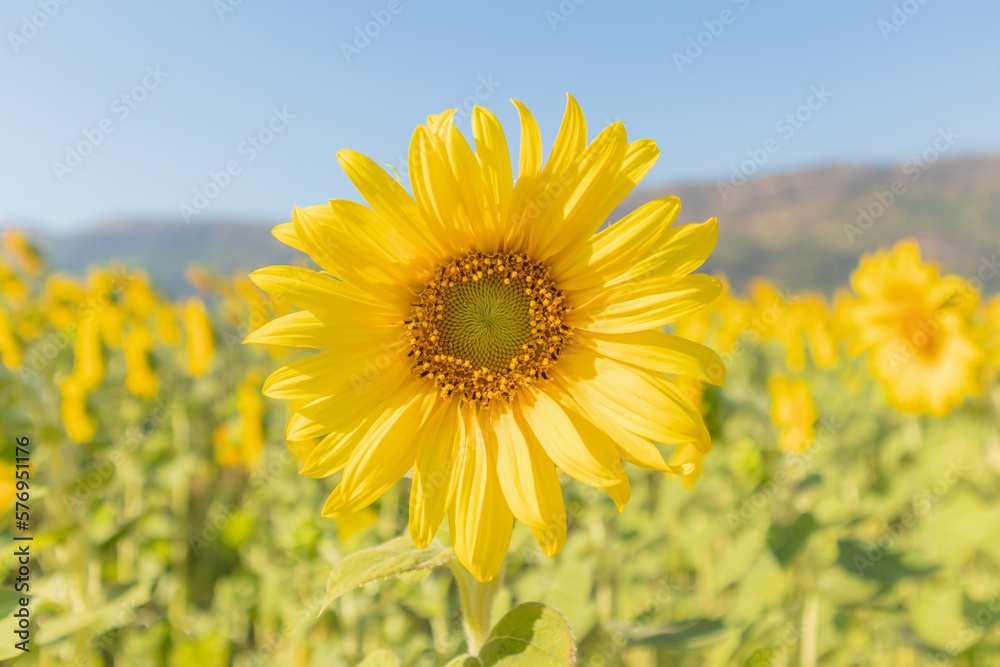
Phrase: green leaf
(464,660)
(697,632)
(762,657)
(413,577)
(395,557)
(787,539)
(530,634)
(875,563)
(115,613)
(380,659)
(602,646)
(815,479)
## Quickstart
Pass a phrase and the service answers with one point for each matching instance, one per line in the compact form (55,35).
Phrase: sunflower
(10,346)
(484,333)
(917,325)
(793,410)
(200,339)
(993,326)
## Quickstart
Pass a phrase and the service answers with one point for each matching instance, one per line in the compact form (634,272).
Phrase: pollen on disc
(486,325)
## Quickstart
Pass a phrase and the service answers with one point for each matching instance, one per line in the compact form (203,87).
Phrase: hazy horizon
(646,185)
(162,98)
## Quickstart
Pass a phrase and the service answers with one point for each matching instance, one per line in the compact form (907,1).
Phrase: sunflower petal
(686,249)
(494,161)
(569,142)
(620,493)
(436,191)
(332,453)
(659,351)
(325,296)
(330,372)
(435,474)
(646,304)
(529,481)
(579,448)
(344,410)
(641,402)
(481,522)
(388,198)
(285,232)
(571,219)
(514,218)
(613,250)
(387,450)
(304,329)
(470,190)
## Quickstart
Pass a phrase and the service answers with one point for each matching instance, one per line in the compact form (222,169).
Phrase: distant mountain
(804,229)
(165,250)
(808,229)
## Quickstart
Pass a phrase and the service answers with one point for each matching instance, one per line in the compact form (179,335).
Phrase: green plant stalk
(807,647)
(180,505)
(477,604)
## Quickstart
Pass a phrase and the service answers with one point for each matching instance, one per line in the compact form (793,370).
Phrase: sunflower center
(487,324)
(922,332)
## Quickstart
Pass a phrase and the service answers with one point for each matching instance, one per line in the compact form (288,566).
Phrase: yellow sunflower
(917,325)
(793,410)
(993,327)
(483,332)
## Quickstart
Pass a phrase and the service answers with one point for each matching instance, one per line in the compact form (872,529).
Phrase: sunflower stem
(477,604)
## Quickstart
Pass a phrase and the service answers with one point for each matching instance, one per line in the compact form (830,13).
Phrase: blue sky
(162,96)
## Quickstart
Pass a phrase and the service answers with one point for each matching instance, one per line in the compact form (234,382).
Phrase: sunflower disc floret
(486,325)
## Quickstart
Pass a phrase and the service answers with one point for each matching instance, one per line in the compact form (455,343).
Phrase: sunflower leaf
(873,562)
(786,539)
(530,634)
(394,558)
(694,633)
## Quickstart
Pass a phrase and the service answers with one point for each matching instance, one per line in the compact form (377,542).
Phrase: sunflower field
(847,513)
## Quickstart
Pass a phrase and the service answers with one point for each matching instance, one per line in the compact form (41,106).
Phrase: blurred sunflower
(728,315)
(916,324)
(792,409)
(10,346)
(200,345)
(24,251)
(993,326)
(482,333)
(8,486)
(816,322)
(141,379)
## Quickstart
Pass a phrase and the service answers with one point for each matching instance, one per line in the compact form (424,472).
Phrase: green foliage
(530,634)
(876,545)
(396,557)
(786,540)
(380,659)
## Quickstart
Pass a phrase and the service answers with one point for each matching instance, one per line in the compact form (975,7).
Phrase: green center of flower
(487,324)
(486,321)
